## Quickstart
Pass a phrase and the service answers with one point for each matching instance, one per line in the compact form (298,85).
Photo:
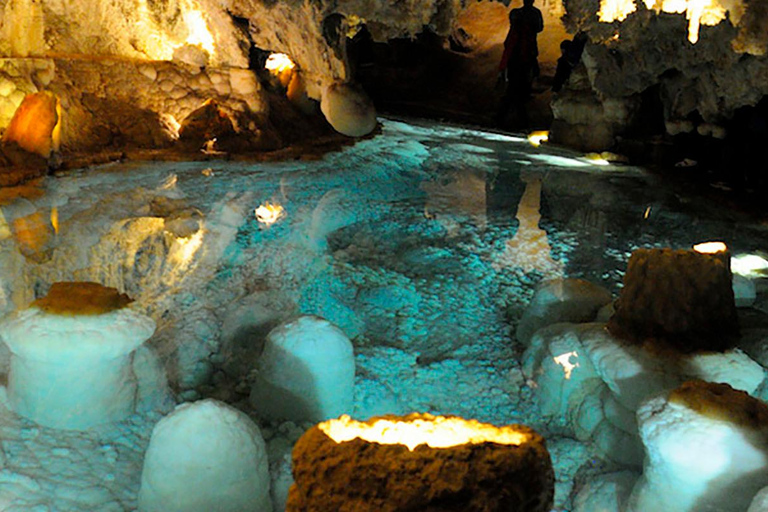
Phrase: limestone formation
(648,61)
(589,384)
(360,475)
(561,300)
(35,126)
(348,109)
(682,297)
(205,456)
(208,125)
(305,373)
(706,449)
(71,357)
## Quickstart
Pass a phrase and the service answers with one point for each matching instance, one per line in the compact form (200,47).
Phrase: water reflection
(529,248)
(458,193)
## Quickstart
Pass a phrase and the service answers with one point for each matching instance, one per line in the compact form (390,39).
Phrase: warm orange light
(615,10)
(433,431)
(710,247)
(537,137)
(198,31)
(269,213)
(529,249)
(697,12)
(278,62)
(55,219)
(281,66)
(35,125)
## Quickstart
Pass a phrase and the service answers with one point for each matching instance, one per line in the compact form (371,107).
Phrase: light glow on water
(269,213)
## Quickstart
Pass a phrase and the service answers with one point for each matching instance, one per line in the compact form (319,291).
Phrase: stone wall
(126,103)
(700,85)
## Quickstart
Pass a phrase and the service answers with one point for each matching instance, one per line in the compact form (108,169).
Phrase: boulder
(348,109)
(205,456)
(706,449)
(562,300)
(391,464)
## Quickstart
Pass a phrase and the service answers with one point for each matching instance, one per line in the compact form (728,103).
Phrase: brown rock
(721,402)
(207,123)
(81,298)
(35,124)
(681,297)
(359,475)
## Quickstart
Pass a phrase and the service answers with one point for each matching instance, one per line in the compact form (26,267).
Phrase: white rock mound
(706,449)
(205,456)
(306,372)
(562,300)
(74,371)
(348,109)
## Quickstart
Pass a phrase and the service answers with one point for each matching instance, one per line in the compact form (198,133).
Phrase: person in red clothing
(519,64)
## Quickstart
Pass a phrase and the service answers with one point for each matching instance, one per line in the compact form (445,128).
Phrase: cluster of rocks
(649,392)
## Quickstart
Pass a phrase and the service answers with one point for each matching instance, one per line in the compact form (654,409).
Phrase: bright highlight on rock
(749,265)
(697,12)
(198,31)
(564,360)
(710,247)
(434,431)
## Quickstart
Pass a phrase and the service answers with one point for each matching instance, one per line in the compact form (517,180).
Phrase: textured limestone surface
(561,300)
(589,384)
(706,449)
(132,29)
(118,103)
(648,56)
(361,475)
(682,297)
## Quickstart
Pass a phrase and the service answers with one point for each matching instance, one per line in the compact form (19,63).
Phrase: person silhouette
(519,64)
(570,56)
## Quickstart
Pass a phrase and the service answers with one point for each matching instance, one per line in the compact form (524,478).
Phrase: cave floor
(424,243)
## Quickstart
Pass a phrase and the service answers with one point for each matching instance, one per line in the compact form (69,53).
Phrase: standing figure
(519,63)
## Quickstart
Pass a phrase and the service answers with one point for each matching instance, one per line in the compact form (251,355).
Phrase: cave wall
(113,62)
(127,72)
(701,84)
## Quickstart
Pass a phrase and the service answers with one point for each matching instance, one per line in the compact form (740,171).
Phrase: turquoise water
(424,244)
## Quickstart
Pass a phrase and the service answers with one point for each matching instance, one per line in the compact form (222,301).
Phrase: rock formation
(468,466)
(205,456)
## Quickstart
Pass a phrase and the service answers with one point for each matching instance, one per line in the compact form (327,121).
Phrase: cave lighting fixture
(537,137)
(710,247)
(268,213)
(279,62)
(433,431)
